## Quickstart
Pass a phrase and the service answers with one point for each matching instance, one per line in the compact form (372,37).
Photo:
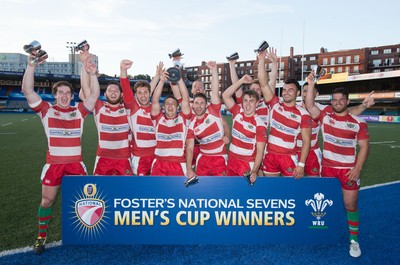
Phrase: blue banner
(216,210)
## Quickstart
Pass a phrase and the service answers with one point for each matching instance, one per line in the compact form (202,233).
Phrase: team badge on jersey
(332,121)
(72,114)
(57,114)
(207,121)
(292,115)
(350,125)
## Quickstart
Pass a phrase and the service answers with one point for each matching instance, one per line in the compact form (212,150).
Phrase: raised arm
(263,77)
(155,99)
(185,106)
(91,99)
(234,77)
(154,81)
(310,99)
(298,171)
(127,93)
(367,103)
(28,84)
(271,55)
(214,99)
(228,93)
(85,79)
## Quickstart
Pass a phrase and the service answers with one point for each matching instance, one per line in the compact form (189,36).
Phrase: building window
(356,69)
(377,62)
(347,69)
(333,61)
(282,65)
(340,59)
(339,69)
(325,61)
(248,64)
(374,52)
(387,51)
(312,58)
(356,58)
(348,59)
(332,70)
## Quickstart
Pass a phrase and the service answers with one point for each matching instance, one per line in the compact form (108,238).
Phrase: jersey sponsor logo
(147,129)
(318,204)
(283,128)
(211,138)
(62,132)
(116,128)
(89,208)
(336,141)
(173,136)
(242,137)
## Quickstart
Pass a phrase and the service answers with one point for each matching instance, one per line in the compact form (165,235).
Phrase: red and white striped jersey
(209,131)
(113,131)
(171,137)
(63,128)
(315,127)
(140,122)
(286,124)
(246,132)
(340,134)
(262,109)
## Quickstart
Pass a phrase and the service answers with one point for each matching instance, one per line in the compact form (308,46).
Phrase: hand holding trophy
(318,73)
(36,54)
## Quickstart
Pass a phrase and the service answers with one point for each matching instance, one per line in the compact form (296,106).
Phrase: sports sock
(353,220)
(44,216)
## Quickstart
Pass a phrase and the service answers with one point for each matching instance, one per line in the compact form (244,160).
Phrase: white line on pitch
(28,249)
(24,119)
(5,124)
(384,142)
(8,133)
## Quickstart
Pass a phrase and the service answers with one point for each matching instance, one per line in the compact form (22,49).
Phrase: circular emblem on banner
(90,190)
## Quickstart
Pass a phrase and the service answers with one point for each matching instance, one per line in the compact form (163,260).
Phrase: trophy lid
(33,46)
(233,56)
(175,53)
(263,46)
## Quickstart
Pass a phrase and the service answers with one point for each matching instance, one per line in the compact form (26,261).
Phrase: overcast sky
(146,31)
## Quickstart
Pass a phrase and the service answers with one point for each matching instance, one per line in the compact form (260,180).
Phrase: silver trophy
(82,46)
(263,46)
(34,49)
(318,73)
(246,176)
(174,72)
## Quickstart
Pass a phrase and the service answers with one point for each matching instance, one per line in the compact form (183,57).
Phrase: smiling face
(113,94)
(199,106)
(197,87)
(143,96)
(170,107)
(289,94)
(63,96)
(339,103)
(250,102)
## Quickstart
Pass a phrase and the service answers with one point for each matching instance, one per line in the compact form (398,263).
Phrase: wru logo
(318,204)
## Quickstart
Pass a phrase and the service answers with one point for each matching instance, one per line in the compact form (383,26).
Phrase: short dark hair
(141,83)
(341,90)
(171,96)
(293,81)
(200,95)
(115,83)
(61,83)
(251,93)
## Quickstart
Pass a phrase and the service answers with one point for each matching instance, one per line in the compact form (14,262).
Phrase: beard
(113,101)
(340,109)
